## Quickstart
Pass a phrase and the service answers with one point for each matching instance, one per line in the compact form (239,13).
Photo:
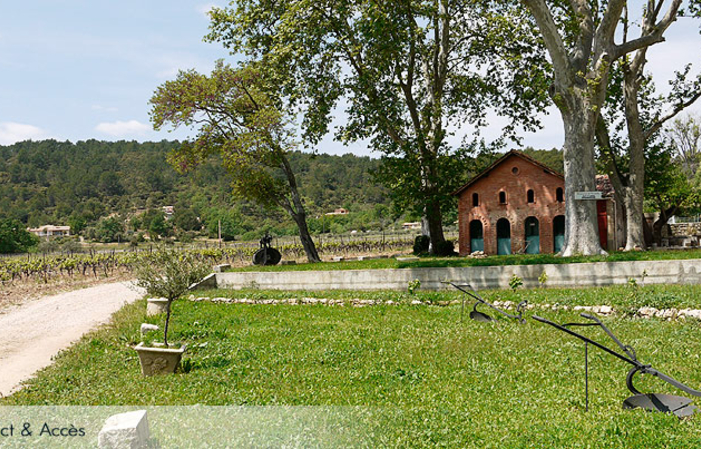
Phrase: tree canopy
(238,117)
(410,73)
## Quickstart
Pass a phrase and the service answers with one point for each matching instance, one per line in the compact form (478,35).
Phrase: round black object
(267,256)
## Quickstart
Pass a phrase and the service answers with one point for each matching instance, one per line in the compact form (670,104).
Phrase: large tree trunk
(632,77)
(581,227)
(306,238)
(434,222)
(298,214)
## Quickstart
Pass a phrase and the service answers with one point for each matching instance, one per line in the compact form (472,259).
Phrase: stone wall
(685,229)
(559,275)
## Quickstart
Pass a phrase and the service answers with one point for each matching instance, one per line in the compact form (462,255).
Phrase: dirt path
(32,333)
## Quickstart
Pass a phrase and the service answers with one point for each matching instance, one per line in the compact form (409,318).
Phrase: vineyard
(47,267)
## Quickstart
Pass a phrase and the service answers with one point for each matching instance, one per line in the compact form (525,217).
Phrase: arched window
(560,195)
(502,197)
(530,195)
(475,200)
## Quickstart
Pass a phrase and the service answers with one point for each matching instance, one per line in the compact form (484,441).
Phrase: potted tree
(166,273)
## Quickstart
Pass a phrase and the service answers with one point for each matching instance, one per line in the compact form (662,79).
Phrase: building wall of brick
(514,176)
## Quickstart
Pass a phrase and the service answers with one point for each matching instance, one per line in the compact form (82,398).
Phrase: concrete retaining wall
(565,275)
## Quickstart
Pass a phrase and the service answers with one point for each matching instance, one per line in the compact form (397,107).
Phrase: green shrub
(445,249)
(515,282)
(414,286)
(421,244)
(168,273)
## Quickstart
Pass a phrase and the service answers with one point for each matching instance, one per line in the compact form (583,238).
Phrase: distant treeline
(110,190)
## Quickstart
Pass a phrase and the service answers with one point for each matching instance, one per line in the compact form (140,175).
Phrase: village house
(517,205)
(339,211)
(50,231)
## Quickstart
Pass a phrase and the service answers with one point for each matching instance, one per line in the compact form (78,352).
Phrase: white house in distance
(339,211)
(50,231)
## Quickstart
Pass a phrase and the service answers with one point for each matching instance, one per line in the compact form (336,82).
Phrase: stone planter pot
(156,306)
(159,360)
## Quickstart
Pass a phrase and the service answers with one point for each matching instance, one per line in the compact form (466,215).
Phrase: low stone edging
(604,310)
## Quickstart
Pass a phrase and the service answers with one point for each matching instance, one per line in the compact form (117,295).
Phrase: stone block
(209,281)
(125,431)
(156,306)
(146,328)
(221,267)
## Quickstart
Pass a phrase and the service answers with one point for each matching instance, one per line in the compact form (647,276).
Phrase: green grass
(437,381)
(514,259)
(621,297)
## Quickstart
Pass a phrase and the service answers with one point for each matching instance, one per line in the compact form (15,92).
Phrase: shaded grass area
(514,259)
(441,382)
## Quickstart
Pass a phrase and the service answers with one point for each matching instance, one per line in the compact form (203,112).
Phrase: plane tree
(407,73)
(580,37)
(237,115)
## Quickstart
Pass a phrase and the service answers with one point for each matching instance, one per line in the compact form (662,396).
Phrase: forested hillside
(80,183)
(108,190)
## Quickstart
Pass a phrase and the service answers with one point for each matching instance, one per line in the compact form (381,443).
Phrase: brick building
(517,205)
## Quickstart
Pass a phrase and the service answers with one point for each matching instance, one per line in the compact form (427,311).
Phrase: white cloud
(123,129)
(16,132)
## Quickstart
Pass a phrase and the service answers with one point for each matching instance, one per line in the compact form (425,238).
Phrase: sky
(86,69)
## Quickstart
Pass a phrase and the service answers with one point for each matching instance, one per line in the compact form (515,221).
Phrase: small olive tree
(169,273)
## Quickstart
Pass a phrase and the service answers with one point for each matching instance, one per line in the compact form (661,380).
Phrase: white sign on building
(588,196)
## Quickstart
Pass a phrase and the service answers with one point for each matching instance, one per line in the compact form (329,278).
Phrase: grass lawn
(436,381)
(514,259)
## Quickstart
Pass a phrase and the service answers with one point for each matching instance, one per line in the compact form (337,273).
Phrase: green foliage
(445,248)
(185,219)
(159,226)
(414,286)
(515,282)
(409,74)
(243,126)
(168,273)
(421,244)
(61,179)
(109,230)
(239,117)
(14,238)
(543,278)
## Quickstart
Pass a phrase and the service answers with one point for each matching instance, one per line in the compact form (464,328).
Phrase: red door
(603,223)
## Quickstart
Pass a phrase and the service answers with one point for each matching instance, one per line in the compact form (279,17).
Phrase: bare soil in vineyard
(20,292)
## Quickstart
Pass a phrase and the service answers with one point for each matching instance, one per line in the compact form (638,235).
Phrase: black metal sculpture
(481,316)
(266,255)
(678,405)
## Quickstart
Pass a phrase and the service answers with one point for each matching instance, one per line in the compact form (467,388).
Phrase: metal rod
(476,296)
(585,339)
(586,375)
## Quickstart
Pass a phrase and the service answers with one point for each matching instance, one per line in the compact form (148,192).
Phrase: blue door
(532,236)
(476,236)
(503,236)
(558,233)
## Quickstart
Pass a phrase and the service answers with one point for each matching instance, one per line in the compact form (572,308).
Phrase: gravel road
(32,333)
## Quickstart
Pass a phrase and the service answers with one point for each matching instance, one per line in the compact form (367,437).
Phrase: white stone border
(643,312)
